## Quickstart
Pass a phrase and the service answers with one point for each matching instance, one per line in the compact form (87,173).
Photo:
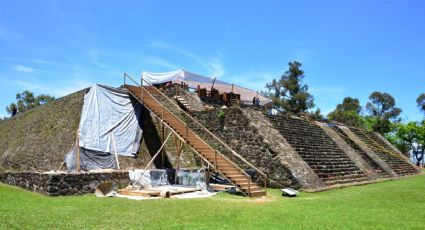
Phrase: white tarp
(158,78)
(194,80)
(109,117)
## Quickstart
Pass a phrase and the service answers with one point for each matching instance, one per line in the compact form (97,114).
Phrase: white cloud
(23,69)
(57,90)
(213,66)
(216,67)
(327,90)
(8,35)
(93,55)
(160,62)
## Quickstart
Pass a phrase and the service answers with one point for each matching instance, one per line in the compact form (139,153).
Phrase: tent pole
(212,86)
(179,147)
(115,151)
(78,150)
(163,136)
(157,153)
(153,158)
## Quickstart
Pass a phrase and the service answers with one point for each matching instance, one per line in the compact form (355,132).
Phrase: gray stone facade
(237,132)
(286,155)
(369,151)
(63,184)
(352,154)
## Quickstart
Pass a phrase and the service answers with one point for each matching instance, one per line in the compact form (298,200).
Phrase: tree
(410,137)
(317,115)
(382,108)
(26,101)
(288,92)
(421,102)
(348,112)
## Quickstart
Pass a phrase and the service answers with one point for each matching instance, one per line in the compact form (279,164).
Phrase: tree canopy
(421,102)
(348,112)
(382,109)
(26,100)
(410,136)
(289,93)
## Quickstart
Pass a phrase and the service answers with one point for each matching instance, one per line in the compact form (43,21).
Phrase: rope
(376,146)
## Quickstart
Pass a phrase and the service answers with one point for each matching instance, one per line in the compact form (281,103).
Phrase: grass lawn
(396,204)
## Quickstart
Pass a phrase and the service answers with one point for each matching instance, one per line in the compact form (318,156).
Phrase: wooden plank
(144,193)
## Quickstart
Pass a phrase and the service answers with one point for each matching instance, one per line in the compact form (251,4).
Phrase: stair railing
(181,111)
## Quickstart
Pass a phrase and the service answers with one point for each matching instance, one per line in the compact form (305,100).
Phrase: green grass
(396,204)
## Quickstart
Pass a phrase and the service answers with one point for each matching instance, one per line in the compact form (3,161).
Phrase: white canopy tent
(194,80)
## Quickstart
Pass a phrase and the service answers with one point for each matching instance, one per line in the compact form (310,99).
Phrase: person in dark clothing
(14,111)
(257,101)
(253,100)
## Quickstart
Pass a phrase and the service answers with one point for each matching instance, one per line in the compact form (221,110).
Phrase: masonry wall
(63,184)
(236,131)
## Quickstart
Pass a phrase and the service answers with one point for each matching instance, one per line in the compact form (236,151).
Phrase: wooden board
(144,193)
(221,187)
(156,191)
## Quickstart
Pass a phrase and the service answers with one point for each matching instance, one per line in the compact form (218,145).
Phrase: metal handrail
(205,129)
(162,107)
(223,156)
(200,155)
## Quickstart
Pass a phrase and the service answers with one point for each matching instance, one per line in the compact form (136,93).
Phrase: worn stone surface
(316,148)
(63,184)
(287,156)
(397,162)
(191,98)
(351,153)
(374,166)
(237,132)
(387,144)
(368,151)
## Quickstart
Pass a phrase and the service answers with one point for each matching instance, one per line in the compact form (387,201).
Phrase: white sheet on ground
(109,112)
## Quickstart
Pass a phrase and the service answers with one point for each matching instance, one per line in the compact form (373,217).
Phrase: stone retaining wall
(63,184)
(237,132)
(286,155)
(351,153)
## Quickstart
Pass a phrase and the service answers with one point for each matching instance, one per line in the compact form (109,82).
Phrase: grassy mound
(40,137)
(395,204)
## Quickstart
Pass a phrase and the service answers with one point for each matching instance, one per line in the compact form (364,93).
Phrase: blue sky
(348,48)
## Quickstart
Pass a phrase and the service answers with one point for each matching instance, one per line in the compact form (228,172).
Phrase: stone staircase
(184,103)
(329,162)
(189,101)
(168,112)
(393,159)
(376,168)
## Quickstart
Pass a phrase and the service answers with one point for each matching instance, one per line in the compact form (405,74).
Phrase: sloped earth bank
(38,139)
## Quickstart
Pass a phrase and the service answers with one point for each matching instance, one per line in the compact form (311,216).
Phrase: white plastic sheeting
(109,117)
(148,178)
(158,78)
